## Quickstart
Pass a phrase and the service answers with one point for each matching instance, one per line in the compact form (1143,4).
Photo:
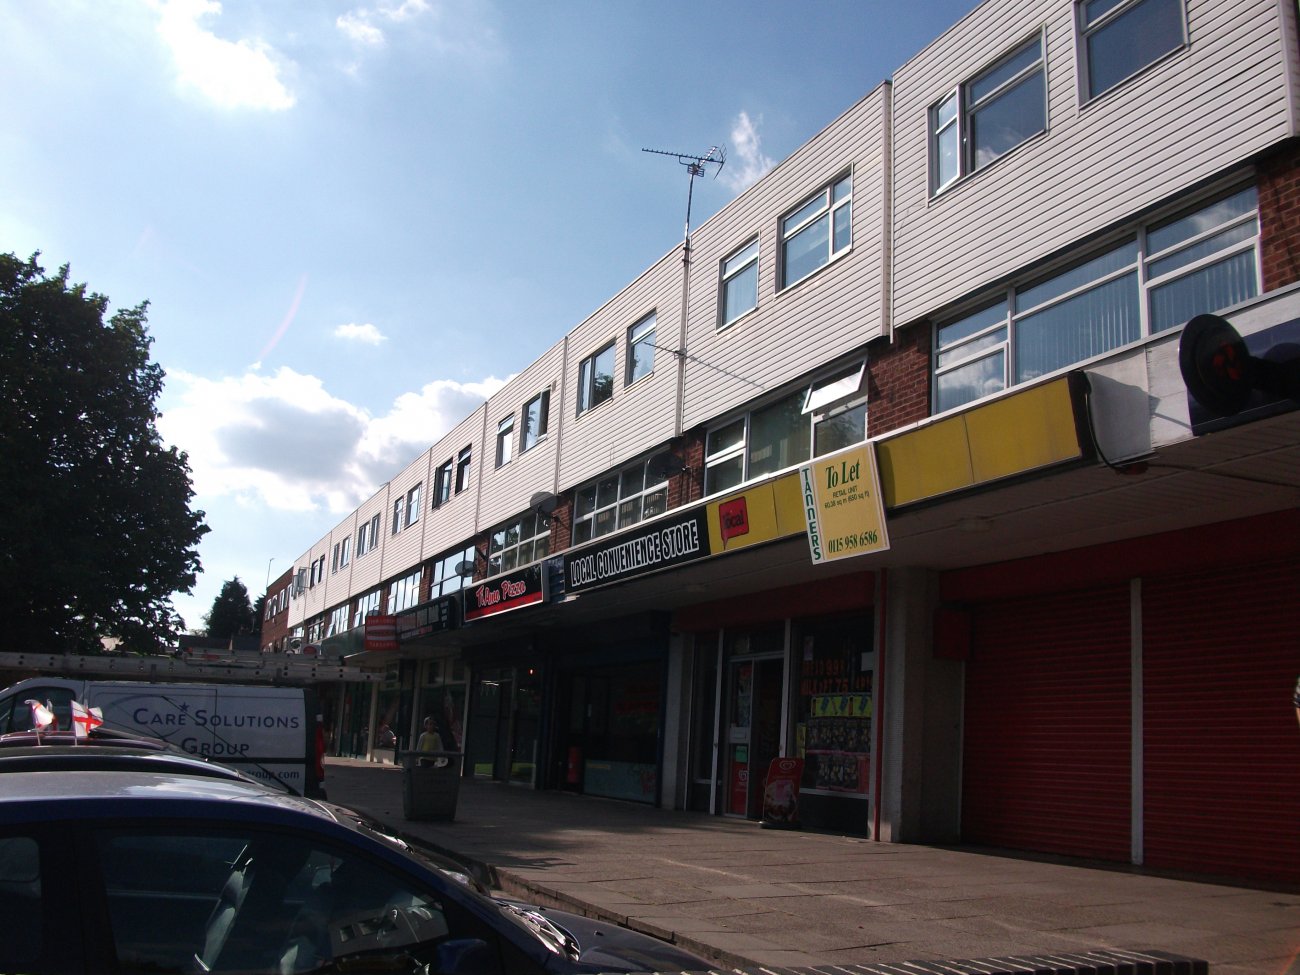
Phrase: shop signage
(841,498)
(528,586)
(659,545)
(381,632)
(781,794)
(431,617)
(760,514)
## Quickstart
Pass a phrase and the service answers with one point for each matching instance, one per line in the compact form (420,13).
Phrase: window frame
(1086,32)
(989,326)
(587,378)
(618,507)
(464,463)
(404,591)
(965,111)
(505,440)
(413,505)
(537,544)
(803,217)
(640,333)
(442,481)
(727,274)
(846,381)
(527,438)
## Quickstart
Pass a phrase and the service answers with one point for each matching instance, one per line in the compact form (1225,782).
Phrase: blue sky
(353,220)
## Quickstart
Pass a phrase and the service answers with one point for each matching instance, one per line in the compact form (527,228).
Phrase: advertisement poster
(843,505)
(781,794)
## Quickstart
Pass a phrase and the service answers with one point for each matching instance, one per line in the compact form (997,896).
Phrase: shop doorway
(755,697)
(504,731)
(610,741)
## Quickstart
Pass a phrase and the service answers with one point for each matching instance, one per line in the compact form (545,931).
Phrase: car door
(203,897)
(40,930)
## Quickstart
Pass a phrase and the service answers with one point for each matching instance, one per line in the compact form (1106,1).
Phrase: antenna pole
(695,166)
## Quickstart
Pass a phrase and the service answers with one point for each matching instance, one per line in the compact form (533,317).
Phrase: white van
(269,732)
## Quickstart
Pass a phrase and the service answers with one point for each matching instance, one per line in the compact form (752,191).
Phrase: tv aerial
(695,166)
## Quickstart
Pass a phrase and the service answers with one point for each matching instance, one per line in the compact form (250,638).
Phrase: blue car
(128,870)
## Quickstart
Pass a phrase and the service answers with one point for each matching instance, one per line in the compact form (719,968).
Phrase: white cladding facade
(1200,113)
(1226,94)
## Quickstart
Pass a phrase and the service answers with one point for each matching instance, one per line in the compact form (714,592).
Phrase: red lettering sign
(733,518)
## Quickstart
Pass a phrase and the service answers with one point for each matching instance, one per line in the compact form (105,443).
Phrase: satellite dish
(464,569)
(544,503)
(662,466)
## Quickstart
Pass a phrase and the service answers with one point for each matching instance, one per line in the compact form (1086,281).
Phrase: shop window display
(835,704)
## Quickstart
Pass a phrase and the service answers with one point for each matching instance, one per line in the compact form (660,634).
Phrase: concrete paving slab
(745,896)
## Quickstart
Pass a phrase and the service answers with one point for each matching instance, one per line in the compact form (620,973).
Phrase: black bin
(430,784)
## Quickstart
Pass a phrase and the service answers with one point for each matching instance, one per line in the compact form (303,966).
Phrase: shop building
(1080,636)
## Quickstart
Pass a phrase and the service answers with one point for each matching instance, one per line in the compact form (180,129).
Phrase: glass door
(755,696)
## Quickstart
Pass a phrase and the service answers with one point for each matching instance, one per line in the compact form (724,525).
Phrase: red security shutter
(1047,725)
(1222,746)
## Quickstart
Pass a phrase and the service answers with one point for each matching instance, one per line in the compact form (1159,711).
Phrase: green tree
(231,614)
(96,530)
(259,613)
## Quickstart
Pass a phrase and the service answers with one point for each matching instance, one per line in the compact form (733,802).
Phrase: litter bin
(430,784)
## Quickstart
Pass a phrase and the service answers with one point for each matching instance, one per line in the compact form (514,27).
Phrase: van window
(16,713)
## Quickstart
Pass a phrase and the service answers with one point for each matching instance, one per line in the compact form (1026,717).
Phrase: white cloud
(231,74)
(360,25)
(356,27)
(746,151)
(284,442)
(367,334)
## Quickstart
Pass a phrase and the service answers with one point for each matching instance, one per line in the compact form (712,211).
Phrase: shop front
(788,673)
(609,695)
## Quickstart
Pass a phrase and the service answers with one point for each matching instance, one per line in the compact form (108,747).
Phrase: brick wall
(1279,217)
(898,380)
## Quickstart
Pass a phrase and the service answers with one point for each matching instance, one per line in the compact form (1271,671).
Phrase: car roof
(77,758)
(109,792)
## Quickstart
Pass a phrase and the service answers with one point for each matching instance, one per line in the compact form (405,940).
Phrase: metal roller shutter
(1222,747)
(1047,719)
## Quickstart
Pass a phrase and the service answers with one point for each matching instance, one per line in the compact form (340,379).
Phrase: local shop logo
(733,518)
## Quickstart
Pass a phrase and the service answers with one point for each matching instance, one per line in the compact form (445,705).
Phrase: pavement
(747,897)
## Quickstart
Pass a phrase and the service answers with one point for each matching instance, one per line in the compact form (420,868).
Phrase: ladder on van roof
(266,668)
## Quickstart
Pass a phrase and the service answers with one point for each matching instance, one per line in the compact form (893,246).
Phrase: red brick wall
(1279,217)
(276,629)
(898,380)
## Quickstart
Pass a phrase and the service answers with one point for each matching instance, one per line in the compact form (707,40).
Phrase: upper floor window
(368,536)
(505,440)
(367,604)
(413,505)
(399,513)
(452,571)
(1155,279)
(596,379)
(641,349)
(1121,37)
(818,231)
(536,412)
(617,501)
(404,593)
(989,115)
(342,554)
(827,415)
(442,484)
(739,284)
(462,469)
(338,621)
(518,542)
